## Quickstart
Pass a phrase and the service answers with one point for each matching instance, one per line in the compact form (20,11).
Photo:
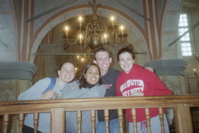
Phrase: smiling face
(103,61)
(126,61)
(92,75)
(67,72)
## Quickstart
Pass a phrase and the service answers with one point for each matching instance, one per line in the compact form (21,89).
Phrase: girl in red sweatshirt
(137,81)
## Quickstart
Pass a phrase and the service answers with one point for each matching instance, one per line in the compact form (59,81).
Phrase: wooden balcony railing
(180,104)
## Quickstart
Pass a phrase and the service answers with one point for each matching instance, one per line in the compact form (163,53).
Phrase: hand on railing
(50,95)
(56,96)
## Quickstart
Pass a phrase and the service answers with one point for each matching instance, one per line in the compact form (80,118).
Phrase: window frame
(190,36)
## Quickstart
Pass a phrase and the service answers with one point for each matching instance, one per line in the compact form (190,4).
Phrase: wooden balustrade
(180,104)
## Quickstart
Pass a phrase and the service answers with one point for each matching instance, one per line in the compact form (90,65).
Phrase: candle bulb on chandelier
(80,22)
(77,57)
(76,69)
(105,38)
(112,23)
(67,29)
(122,29)
(80,38)
(194,71)
(122,33)
(112,20)
(82,59)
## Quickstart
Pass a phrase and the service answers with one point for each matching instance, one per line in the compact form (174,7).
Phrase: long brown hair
(82,80)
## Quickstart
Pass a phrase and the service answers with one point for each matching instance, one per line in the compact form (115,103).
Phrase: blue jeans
(155,125)
(114,126)
(68,131)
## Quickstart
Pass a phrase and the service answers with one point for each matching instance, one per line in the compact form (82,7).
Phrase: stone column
(15,77)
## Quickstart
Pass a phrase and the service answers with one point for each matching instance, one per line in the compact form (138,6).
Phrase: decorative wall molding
(17,70)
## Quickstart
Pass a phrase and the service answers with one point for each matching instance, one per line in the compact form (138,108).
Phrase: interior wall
(13,44)
(194,19)
(56,43)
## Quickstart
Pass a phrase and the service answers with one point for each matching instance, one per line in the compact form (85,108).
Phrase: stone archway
(134,32)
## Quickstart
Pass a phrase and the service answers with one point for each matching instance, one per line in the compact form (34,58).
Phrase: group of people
(99,80)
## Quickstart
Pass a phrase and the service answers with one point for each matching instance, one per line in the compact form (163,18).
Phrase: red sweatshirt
(140,80)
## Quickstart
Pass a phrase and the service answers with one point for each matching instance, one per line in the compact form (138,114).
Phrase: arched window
(185,39)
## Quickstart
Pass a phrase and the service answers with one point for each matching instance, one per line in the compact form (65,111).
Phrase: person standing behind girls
(65,75)
(137,81)
(89,85)
(103,58)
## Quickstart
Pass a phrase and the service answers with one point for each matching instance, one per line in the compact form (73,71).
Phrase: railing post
(121,119)
(79,120)
(93,119)
(184,118)
(5,123)
(161,117)
(36,118)
(57,120)
(21,122)
(106,118)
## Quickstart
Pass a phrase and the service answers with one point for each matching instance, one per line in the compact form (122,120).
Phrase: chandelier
(95,33)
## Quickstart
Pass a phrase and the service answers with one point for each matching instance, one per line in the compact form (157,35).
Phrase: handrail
(180,104)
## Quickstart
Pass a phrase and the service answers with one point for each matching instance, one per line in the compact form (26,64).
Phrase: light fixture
(95,33)
(194,71)
(76,69)
(197,56)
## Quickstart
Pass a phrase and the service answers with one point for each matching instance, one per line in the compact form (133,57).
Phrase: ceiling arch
(133,29)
